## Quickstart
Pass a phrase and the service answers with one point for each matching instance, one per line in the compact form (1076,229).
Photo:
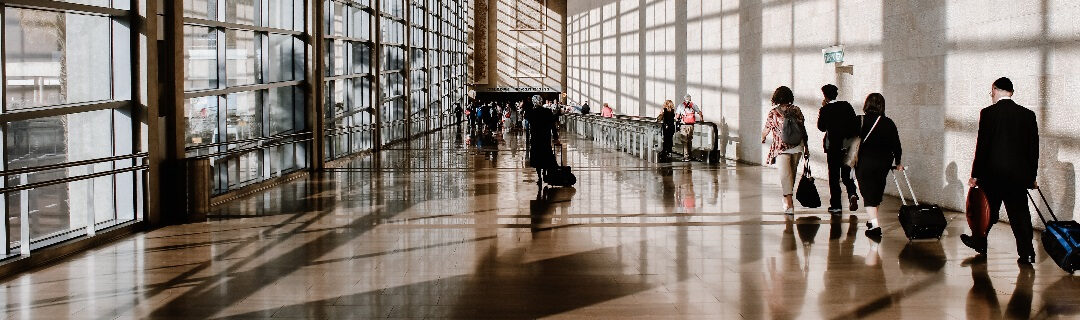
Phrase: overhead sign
(519,89)
(834,54)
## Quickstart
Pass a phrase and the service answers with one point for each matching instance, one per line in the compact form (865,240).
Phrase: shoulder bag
(852,157)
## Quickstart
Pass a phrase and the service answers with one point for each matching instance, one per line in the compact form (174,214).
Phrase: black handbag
(807,193)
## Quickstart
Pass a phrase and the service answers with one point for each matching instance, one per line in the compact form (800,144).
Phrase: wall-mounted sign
(834,54)
(518,89)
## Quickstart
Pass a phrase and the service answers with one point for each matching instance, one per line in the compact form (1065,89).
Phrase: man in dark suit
(837,120)
(1005,166)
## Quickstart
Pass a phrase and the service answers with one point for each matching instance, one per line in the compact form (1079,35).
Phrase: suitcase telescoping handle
(910,189)
(1036,204)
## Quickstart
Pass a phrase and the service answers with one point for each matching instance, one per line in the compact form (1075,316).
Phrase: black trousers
(838,172)
(1016,206)
(669,139)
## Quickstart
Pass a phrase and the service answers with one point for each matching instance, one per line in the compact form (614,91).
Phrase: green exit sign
(834,54)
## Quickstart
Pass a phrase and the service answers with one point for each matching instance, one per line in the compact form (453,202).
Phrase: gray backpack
(792,133)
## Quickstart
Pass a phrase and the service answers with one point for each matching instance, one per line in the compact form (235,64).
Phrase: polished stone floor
(441,228)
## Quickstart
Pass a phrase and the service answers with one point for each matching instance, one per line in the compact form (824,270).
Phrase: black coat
(837,120)
(880,147)
(542,130)
(1007,150)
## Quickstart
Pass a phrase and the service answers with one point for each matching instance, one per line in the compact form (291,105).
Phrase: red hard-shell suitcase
(978,212)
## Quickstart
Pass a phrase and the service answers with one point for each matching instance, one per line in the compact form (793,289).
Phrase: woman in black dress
(667,122)
(544,133)
(879,152)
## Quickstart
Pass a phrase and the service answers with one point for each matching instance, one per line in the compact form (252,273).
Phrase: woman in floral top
(785,156)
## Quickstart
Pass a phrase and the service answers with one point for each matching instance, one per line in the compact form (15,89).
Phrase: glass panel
(281,110)
(47,65)
(99,3)
(361,58)
(339,58)
(200,58)
(241,57)
(337,18)
(46,141)
(281,14)
(244,118)
(200,116)
(242,12)
(201,9)
(282,58)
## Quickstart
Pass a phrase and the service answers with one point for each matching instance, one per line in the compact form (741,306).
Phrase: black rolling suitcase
(561,175)
(920,221)
(1061,239)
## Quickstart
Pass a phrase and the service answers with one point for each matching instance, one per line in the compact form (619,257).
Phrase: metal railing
(639,136)
(266,145)
(24,187)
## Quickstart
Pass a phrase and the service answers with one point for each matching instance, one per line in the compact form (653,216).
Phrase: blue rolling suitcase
(1061,239)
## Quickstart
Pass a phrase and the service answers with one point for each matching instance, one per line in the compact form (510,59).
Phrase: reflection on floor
(441,228)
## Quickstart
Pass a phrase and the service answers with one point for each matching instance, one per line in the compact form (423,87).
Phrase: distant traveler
(688,114)
(1006,164)
(543,132)
(837,120)
(667,123)
(785,120)
(585,108)
(606,111)
(880,152)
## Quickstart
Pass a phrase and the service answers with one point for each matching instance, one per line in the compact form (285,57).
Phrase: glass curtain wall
(348,80)
(422,44)
(447,59)
(67,114)
(393,70)
(244,107)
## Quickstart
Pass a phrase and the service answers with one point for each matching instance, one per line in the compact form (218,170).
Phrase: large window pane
(54,140)
(200,58)
(200,115)
(56,58)
(201,9)
(281,14)
(282,110)
(242,58)
(242,12)
(244,118)
(282,58)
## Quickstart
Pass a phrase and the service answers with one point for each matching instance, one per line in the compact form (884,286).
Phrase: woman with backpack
(878,153)
(785,124)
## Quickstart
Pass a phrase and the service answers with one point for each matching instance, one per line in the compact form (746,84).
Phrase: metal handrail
(218,144)
(71,179)
(639,136)
(71,164)
(246,150)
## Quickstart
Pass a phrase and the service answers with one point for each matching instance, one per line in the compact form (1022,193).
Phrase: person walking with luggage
(879,153)
(786,126)
(667,123)
(688,113)
(836,119)
(1006,165)
(543,134)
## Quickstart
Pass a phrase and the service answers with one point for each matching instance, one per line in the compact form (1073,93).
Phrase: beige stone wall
(526,44)
(933,61)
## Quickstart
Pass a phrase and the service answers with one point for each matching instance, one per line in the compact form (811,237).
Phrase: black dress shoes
(874,233)
(977,244)
(1026,260)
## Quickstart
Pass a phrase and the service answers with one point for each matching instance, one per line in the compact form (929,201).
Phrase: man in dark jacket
(1005,166)
(837,120)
